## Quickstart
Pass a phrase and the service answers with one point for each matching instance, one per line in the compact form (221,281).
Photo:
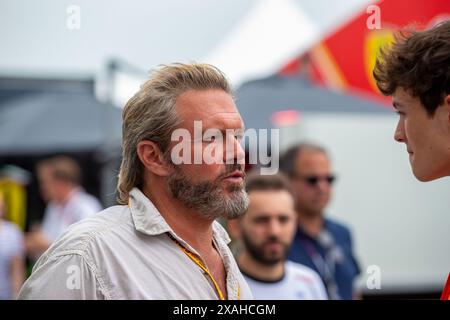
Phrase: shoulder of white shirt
(298,270)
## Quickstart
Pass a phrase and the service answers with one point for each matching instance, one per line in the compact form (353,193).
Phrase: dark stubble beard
(207,198)
(258,253)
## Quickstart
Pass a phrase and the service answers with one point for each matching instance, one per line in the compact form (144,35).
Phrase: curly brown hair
(419,62)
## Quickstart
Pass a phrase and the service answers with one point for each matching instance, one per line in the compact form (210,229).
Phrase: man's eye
(400,113)
(284,220)
(239,135)
(212,138)
(209,139)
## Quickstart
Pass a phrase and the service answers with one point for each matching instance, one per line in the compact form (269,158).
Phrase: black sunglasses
(314,180)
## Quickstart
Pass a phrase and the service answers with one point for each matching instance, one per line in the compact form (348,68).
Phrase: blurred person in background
(59,181)
(267,230)
(415,71)
(320,242)
(12,261)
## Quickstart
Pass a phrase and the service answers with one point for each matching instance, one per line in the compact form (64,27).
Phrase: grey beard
(206,198)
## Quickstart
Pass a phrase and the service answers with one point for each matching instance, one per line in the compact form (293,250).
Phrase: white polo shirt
(125,252)
(58,217)
(298,283)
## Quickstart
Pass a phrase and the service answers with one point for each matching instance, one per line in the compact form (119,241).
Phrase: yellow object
(198,262)
(203,267)
(376,40)
(15,197)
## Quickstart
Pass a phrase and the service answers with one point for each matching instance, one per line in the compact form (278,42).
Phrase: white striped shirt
(11,246)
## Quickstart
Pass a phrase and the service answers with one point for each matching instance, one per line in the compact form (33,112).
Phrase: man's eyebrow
(262,216)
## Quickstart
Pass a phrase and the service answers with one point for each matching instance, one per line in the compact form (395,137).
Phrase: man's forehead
(401,98)
(265,213)
(215,108)
(265,200)
(311,158)
(217,120)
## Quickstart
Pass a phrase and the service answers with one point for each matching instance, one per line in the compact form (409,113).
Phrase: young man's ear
(152,158)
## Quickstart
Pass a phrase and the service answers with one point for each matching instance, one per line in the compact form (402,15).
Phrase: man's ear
(152,158)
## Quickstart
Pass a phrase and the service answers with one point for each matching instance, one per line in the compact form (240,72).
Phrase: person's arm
(17,274)
(36,243)
(65,277)
(39,238)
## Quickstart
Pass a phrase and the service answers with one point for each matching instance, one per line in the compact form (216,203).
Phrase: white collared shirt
(125,252)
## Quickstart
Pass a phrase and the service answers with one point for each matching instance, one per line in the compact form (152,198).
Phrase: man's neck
(190,226)
(185,222)
(259,271)
(311,223)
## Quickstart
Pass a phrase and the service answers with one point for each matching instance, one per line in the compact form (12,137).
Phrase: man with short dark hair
(415,71)
(266,232)
(320,243)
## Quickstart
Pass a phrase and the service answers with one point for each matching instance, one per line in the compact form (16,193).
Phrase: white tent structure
(273,33)
(263,39)
(268,36)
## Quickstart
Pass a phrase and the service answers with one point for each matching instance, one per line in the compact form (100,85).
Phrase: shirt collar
(148,220)
(219,231)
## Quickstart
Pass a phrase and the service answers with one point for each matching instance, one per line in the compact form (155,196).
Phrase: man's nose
(323,185)
(274,228)
(399,134)
(234,153)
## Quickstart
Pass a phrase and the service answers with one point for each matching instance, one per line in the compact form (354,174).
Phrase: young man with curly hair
(415,71)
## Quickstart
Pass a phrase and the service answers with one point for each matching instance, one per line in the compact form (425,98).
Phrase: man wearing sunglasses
(320,243)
